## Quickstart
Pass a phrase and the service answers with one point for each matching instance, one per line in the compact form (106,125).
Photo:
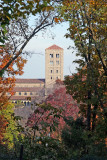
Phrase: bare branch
(25,36)
(35,31)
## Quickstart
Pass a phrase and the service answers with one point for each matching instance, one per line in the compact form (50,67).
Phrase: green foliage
(87,30)
(81,143)
(13,129)
(76,143)
(12,138)
(1,73)
(43,148)
(93,158)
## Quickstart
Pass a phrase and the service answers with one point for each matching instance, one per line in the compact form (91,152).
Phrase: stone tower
(53,64)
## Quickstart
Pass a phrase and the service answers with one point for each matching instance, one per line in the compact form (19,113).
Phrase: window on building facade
(56,71)
(25,93)
(51,55)
(57,55)
(19,93)
(31,93)
(56,77)
(51,77)
(51,62)
(51,71)
(57,62)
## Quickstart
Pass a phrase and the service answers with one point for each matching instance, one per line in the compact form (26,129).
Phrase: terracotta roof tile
(30,80)
(27,89)
(21,97)
(54,47)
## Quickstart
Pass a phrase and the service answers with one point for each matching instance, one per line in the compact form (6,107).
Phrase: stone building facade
(53,64)
(29,90)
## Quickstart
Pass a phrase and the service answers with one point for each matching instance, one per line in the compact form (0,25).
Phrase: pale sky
(35,66)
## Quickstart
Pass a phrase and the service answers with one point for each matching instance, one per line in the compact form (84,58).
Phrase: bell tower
(53,64)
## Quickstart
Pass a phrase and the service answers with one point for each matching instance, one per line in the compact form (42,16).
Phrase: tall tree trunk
(94,117)
(21,153)
(89,112)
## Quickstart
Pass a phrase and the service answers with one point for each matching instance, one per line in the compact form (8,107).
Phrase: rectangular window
(51,62)
(51,77)
(51,71)
(57,55)
(51,55)
(57,62)
(25,93)
(56,71)
(19,93)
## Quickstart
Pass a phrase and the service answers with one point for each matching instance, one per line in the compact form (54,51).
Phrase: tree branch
(36,30)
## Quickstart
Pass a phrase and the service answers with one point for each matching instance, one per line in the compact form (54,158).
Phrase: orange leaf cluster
(3,124)
(57,20)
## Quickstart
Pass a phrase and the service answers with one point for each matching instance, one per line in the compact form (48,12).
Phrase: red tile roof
(21,97)
(30,80)
(27,89)
(54,47)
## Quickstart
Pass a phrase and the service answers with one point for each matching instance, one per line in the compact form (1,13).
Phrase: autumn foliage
(7,82)
(3,124)
(58,105)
